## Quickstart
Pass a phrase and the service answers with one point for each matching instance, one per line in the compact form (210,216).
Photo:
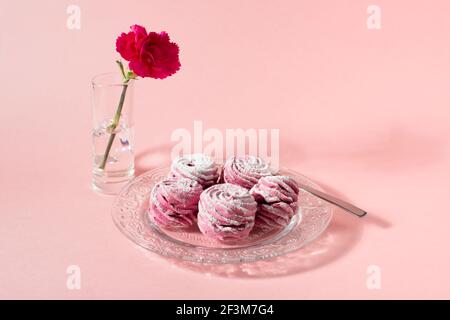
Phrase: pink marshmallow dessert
(226,212)
(197,167)
(277,201)
(245,171)
(174,203)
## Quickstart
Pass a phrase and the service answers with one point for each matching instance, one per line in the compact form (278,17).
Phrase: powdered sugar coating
(226,212)
(197,167)
(174,203)
(277,198)
(275,189)
(275,215)
(245,170)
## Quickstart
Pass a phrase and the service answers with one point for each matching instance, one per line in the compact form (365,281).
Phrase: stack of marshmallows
(226,204)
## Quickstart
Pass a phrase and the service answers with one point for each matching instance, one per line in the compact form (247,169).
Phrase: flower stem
(122,70)
(114,124)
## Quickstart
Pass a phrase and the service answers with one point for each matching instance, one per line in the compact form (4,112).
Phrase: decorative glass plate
(130,216)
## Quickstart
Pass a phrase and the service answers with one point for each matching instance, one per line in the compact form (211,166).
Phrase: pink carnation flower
(149,54)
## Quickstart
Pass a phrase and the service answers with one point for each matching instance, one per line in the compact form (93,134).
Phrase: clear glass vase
(112,133)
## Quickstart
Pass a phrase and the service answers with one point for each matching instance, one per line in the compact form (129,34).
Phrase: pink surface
(365,113)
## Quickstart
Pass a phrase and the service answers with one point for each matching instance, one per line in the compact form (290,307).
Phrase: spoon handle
(333,200)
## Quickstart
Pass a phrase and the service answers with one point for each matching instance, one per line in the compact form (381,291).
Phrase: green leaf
(131,75)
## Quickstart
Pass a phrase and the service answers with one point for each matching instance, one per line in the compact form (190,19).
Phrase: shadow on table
(342,234)
(371,217)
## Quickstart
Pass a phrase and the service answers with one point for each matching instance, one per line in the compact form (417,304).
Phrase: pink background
(365,113)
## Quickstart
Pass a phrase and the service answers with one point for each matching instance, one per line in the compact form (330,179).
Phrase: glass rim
(96,80)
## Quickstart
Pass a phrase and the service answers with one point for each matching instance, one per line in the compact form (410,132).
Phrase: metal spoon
(333,200)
